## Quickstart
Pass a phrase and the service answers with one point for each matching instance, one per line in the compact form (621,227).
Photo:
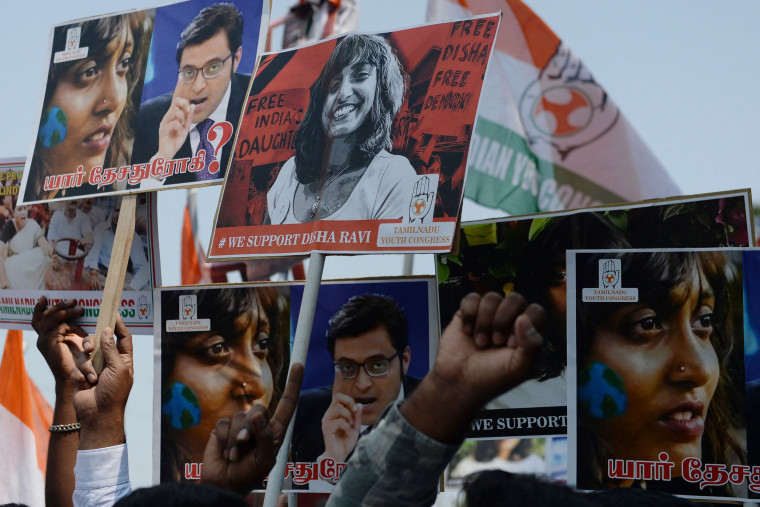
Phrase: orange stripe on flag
(43,418)
(541,40)
(191,269)
(20,396)
(14,384)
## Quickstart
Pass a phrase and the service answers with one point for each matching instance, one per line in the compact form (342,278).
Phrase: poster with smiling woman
(143,99)
(356,144)
(656,372)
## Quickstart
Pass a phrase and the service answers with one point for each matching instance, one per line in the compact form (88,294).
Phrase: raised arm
(488,348)
(102,469)
(59,341)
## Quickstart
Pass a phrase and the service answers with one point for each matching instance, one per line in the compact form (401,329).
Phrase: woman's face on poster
(350,95)
(91,94)
(663,354)
(227,374)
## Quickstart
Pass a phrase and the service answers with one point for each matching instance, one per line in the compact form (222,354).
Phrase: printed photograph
(370,346)
(527,255)
(223,349)
(364,127)
(658,337)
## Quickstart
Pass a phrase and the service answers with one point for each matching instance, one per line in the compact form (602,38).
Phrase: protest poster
(62,250)
(388,329)
(225,347)
(145,99)
(356,144)
(222,349)
(549,137)
(660,372)
(527,255)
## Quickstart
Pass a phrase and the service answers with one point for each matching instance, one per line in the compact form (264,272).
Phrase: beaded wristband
(64,427)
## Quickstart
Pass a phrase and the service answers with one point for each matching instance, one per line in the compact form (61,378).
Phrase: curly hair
(375,133)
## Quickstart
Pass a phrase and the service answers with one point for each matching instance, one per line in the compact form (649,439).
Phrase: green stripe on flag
(503,173)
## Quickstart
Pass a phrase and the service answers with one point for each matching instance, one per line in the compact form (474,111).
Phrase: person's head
(493,487)
(542,278)
(86,205)
(212,374)
(357,95)
(70,207)
(208,54)
(371,329)
(88,110)
(20,217)
(115,215)
(653,373)
(634,497)
(174,494)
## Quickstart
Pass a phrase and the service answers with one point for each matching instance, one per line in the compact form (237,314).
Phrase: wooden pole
(117,270)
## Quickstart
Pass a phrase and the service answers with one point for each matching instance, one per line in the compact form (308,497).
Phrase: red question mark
(218,136)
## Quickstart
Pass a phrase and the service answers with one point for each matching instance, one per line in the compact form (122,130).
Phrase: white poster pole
(297,355)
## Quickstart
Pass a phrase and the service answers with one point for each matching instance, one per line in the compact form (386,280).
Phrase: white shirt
(101,476)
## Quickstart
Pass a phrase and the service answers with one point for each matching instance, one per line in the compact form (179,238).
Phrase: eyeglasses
(210,70)
(374,368)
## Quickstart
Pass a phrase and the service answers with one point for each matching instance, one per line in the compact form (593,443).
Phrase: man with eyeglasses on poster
(368,338)
(208,91)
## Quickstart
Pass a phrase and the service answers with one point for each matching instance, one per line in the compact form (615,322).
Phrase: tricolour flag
(548,137)
(25,417)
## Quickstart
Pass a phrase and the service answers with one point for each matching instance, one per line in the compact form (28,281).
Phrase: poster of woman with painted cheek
(222,351)
(657,374)
(91,99)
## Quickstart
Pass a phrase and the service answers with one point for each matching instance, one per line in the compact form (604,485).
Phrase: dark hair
(208,22)
(497,487)
(537,272)
(375,133)
(173,494)
(97,35)
(494,487)
(635,497)
(364,313)
(655,275)
(222,307)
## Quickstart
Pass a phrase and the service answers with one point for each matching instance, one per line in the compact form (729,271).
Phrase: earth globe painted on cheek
(53,127)
(180,406)
(601,392)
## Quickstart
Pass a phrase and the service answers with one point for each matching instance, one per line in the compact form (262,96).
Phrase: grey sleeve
(394,465)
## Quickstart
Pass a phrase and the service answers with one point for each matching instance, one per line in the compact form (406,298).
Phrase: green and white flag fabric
(548,137)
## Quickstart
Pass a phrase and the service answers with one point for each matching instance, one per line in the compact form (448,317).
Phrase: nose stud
(682,368)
